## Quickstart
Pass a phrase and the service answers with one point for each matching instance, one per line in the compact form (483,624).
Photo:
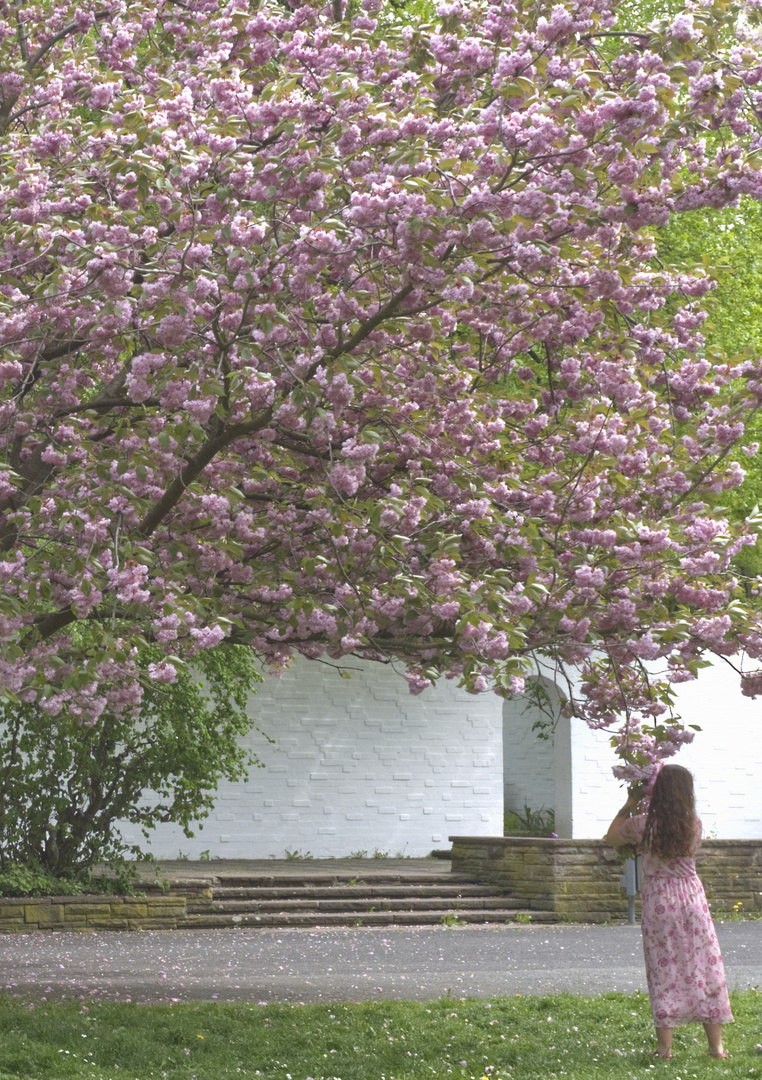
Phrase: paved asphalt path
(345,965)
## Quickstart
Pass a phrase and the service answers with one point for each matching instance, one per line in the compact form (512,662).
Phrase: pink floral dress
(684,969)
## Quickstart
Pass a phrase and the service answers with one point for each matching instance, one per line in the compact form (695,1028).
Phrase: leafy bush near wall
(27,879)
(64,786)
(31,879)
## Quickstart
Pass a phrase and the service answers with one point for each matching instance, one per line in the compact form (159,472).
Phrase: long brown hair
(670,831)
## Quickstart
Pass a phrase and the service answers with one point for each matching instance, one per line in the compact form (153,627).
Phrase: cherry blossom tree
(323,332)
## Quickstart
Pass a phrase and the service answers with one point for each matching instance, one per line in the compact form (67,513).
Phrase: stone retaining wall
(577,879)
(580,879)
(27,914)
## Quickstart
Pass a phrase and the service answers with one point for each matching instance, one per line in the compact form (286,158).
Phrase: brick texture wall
(359,764)
(528,760)
(725,759)
(356,764)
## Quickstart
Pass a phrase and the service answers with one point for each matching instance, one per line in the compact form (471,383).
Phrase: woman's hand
(613,836)
(636,794)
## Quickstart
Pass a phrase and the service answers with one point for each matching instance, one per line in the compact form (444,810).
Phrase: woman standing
(684,969)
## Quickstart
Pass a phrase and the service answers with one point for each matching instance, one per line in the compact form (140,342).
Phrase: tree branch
(66,348)
(195,467)
(697,483)
(48,45)
(299,444)
(52,622)
(27,108)
(106,404)
(368,327)
(617,33)
(21,34)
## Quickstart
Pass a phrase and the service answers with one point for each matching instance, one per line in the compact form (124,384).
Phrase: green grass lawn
(608,1038)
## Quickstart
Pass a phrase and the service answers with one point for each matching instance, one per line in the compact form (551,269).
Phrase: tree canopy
(327,334)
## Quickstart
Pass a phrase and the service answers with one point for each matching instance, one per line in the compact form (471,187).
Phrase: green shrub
(31,879)
(28,879)
(64,787)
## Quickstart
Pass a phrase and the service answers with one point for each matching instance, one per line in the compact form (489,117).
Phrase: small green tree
(63,787)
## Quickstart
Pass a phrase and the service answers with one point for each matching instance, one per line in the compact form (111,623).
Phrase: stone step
(351,892)
(359,903)
(307,878)
(209,921)
(301,897)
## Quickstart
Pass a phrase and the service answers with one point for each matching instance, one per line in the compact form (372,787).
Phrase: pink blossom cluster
(350,337)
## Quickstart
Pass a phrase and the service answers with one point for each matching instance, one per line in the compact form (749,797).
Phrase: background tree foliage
(728,243)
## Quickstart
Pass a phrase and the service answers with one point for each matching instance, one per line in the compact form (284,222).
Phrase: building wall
(528,761)
(360,765)
(725,759)
(572,771)
(357,765)
(537,771)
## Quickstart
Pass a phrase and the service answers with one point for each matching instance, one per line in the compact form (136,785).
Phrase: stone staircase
(348,899)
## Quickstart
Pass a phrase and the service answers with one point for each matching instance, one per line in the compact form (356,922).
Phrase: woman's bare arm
(613,836)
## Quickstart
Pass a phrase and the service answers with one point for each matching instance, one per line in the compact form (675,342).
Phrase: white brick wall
(357,764)
(725,759)
(572,773)
(596,795)
(361,765)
